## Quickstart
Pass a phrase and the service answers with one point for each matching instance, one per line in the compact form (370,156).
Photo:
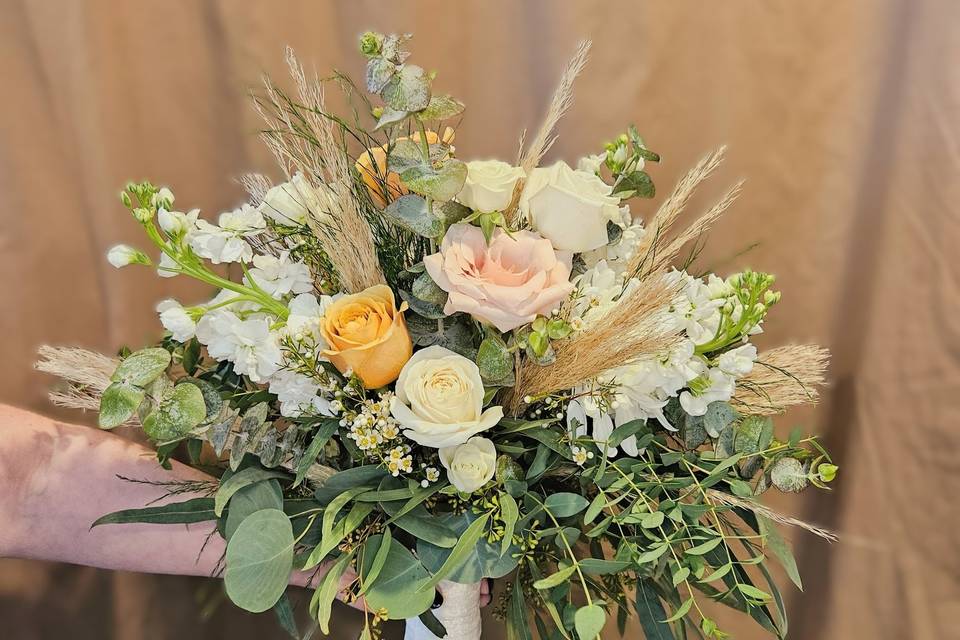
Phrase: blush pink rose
(506,284)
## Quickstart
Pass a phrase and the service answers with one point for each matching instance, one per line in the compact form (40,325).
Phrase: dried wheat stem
(770,514)
(781,378)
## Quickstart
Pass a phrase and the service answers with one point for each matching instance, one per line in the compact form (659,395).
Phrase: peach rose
(508,283)
(372,165)
(365,332)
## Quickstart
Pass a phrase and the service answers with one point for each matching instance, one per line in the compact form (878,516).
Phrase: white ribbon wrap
(459,614)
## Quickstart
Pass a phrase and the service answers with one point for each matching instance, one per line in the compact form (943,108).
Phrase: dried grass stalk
(673,206)
(87,374)
(770,514)
(303,139)
(546,135)
(256,185)
(632,330)
(665,257)
(781,378)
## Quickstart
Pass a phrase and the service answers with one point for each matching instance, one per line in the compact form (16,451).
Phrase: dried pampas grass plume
(781,378)
(631,330)
(87,374)
(770,514)
(303,139)
(546,135)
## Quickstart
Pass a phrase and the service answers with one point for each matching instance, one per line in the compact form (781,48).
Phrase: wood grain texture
(842,116)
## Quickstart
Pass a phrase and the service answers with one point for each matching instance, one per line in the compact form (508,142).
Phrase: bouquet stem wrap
(459,614)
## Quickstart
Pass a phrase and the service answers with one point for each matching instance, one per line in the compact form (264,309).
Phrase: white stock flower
(291,203)
(176,320)
(439,399)
(738,362)
(470,465)
(711,386)
(226,241)
(303,321)
(121,255)
(571,208)
(279,275)
(489,185)
(177,224)
(248,343)
(297,395)
(591,164)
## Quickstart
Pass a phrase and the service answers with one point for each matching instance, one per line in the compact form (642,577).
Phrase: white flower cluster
(372,426)
(641,390)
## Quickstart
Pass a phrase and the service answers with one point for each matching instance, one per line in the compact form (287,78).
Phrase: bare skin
(57,478)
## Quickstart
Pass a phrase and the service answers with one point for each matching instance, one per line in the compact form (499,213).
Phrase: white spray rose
(571,208)
(470,465)
(439,399)
(176,320)
(489,185)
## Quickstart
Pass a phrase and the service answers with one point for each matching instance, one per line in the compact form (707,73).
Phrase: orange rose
(372,165)
(366,333)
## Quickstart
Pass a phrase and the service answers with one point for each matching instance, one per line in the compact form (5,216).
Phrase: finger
(485,587)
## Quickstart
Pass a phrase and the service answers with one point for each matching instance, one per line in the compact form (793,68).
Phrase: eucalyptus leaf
(589,621)
(379,73)
(389,117)
(442,182)
(494,359)
(177,414)
(481,559)
(265,494)
(400,587)
(563,505)
(259,560)
(118,403)
(442,107)
(427,290)
(405,154)
(239,480)
(410,212)
(407,90)
(142,367)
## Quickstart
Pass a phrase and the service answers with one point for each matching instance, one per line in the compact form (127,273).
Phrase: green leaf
(323,435)
(265,494)
(564,505)
(189,511)
(780,548)
(596,506)
(118,403)
(652,520)
(484,560)
(176,415)
(211,397)
(703,548)
(626,430)
(518,627)
(442,182)
(259,559)
(651,613)
(405,154)
(589,621)
(637,184)
(555,579)
(426,289)
(680,575)
(602,567)
(321,604)
(753,435)
(652,554)
(191,356)
(509,513)
(407,90)
(410,212)
(718,416)
(681,611)
(400,586)
(451,212)
(422,525)
(239,480)
(442,107)
(753,593)
(382,546)
(368,475)
(389,117)
(379,72)
(286,617)
(461,551)
(142,367)
(494,359)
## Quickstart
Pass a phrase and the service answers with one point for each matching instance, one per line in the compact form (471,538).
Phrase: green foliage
(259,559)
(589,620)
(118,404)
(178,412)
(403,585)
(187,512)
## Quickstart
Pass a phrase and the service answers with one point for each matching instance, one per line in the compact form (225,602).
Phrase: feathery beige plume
(303,140)
(631,330)
(662,222)
(87,374)
(546,136)
(781,378)
(770,514)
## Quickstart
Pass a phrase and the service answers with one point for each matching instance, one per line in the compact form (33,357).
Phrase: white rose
(176,320)
(489,185)
(571,208)
(470,465)
(439,399)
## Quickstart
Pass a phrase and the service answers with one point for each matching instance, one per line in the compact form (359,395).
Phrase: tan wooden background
(842,115)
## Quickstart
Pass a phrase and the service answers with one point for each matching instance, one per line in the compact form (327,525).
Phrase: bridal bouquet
(425,372)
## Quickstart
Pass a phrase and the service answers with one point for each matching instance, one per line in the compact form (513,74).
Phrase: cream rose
(570,207)
(439,399)
(470,465)
(508,283)
(489,185)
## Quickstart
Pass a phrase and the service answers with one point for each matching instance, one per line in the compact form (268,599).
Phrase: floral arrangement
(432,372)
